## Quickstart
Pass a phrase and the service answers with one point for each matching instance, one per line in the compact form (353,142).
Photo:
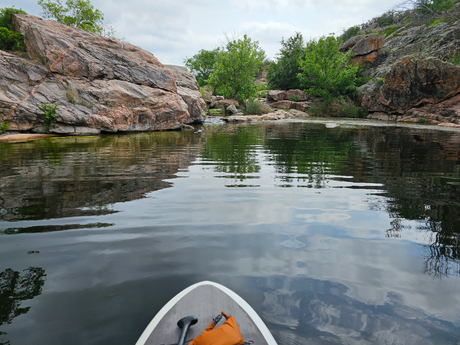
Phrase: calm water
(346,235)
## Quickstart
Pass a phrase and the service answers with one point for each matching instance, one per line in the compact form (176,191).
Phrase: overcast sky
(175,29)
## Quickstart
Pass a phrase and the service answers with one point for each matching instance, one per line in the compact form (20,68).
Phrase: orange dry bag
(227,334)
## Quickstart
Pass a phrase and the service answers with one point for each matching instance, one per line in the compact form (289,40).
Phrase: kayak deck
(205,300)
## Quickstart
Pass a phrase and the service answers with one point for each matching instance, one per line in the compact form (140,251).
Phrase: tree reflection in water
(15,288)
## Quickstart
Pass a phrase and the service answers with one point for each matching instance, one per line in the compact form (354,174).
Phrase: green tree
(10,40)
(282,74)
(234,72)
(326,72)
(202,64)
(77,13)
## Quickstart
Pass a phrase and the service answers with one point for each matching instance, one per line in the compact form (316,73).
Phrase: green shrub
(6,17)
(422,120)
(435,22)
(337,107)
(50,114)
(77,13)
(282,74)
(326,72)
(389,31)
(432,7)
(294,99)
(4,126)
(10,40)
(254,107)
(351,32)
(380,81)
(388,18)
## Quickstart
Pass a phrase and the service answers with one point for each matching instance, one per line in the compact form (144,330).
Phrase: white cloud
(173,30)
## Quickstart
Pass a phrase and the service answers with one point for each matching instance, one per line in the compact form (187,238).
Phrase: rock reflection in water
(334,235)
(83,176)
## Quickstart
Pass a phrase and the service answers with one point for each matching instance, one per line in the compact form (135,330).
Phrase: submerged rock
(97,83)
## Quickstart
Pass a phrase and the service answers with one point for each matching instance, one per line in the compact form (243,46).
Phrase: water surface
(345,235)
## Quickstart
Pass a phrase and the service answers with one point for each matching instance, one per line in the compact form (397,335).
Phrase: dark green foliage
(4,126)
(50,114)
(338,107)
(388,18)
(389,31)
(326,72)
(234,72)
(351,32)
(77,13)
(202,64)
(430,7)
(254,107)
(282,74)
(10,40)
(6,17)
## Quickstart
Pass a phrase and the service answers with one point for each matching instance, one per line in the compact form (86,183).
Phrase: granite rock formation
(411,76)
(98,84)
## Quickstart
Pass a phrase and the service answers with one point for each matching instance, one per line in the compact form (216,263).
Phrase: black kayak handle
(185,324)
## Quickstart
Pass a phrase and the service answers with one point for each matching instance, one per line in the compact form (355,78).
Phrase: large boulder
(412,81)
(301,106)
(219,102)
(183,77)
(297,94)
(97,83)
(189,90)
(410,76)
(276,95)
(365,48)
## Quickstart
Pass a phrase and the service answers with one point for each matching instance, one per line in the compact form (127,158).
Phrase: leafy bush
(202,64)
(235,69)
(50,114)
(338,107)
(326,72)
(10,40)
(282,74)
(430,7)
(351,32)
(6,17)
(422,120)
(435,22)
(388,18)
(254,107)
(389,31)
(77,13)
(4,126)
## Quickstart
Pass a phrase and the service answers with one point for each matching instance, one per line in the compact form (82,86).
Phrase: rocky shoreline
(101,85)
